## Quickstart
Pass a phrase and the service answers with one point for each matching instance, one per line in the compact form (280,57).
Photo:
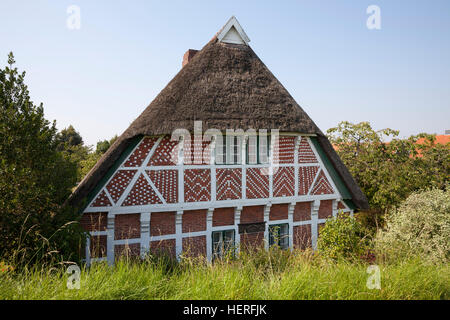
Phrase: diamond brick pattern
(305,153)
(322,186)
(228,184)
(257,184)
(141,152)
(197,185)
(166,153)
(306,177)
(285,152)
(141,194)
(284,182)
(166,181)
(119,182)
(101,200)
(195,155)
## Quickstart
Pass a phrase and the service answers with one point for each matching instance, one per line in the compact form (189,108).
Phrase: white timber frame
(145,211)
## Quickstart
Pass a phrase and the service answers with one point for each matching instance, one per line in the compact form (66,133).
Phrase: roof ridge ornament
(232,32)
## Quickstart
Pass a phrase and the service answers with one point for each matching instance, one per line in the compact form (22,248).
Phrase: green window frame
(279,235)
(222,243)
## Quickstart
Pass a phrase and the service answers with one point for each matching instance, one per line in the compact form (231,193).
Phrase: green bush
(342,237)
(419,227)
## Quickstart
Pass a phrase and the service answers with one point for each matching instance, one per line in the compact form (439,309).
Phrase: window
(279,235)
(228,151)
(223,242)
(258,149)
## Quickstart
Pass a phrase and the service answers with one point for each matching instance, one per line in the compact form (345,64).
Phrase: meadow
(261,275)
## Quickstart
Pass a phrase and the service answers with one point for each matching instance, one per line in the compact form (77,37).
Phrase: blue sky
(101,77)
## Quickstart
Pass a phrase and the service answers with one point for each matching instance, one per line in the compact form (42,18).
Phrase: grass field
(260,276)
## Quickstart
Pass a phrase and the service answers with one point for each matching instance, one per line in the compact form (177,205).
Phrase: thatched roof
(225,86)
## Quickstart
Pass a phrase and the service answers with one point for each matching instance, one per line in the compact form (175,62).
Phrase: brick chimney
(188,56)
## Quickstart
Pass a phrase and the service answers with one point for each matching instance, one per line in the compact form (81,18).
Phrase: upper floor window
(228,149)
(258,149)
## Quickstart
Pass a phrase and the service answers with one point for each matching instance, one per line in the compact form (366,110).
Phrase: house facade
(222,158)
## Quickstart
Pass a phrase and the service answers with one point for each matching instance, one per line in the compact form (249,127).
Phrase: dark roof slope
(224,86)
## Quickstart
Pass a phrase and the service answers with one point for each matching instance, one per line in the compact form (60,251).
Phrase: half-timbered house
(223,157)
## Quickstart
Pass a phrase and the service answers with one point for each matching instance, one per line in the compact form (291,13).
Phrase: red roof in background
(441,139)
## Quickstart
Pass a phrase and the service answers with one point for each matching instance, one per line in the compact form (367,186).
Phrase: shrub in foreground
(342,237)
(419,227)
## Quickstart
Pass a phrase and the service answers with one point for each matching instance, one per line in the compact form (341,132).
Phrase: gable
(232,32)
(301,175)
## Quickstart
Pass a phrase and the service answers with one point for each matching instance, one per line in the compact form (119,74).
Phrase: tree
(419,227)
(388,172)
(103,146)
(35,178)
(92,158)
(71,144)
(68,138)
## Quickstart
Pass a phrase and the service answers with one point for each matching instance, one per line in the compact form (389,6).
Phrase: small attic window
(233,37)
(232,32)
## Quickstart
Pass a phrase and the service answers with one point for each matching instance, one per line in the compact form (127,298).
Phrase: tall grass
(258,275)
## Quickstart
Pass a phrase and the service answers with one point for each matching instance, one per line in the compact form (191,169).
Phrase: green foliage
(71,144)
(68,138)
(103,146)
(303,277)
(419,227)
(389,172)
(35,178)
(342,237)
(88,162)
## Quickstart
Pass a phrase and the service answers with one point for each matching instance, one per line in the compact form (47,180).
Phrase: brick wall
(194,220)
(194,246)
(163,247)
(127,226)
(302,211)
(162,223)
(284,182)
(302,236)
(279,212)
(197,185)
(285,148)
(127,250)
(325,209)
(94,221)
(252,241)
(252,214)
(223,217)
